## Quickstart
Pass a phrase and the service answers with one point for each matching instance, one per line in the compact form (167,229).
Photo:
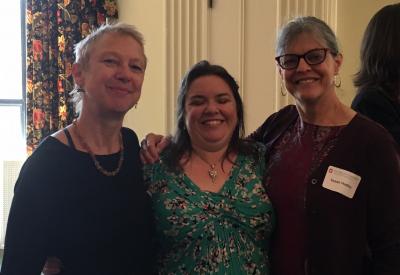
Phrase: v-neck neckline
(228,182)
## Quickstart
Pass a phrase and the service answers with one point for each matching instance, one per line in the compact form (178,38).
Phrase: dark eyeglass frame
(304,56)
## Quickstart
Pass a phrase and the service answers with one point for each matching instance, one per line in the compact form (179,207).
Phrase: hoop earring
(337,81)
(283,88)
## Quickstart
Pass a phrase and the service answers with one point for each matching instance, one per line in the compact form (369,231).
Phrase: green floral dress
(212,233)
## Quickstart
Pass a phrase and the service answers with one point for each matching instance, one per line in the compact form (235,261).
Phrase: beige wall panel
(259,93)
(225,33)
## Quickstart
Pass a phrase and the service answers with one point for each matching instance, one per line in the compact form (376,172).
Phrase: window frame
(21,103)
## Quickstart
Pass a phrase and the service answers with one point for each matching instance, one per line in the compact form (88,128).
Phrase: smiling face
(210,113)
(113,77)
(310,83)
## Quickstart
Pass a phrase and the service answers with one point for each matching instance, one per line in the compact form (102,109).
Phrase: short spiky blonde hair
(84,47)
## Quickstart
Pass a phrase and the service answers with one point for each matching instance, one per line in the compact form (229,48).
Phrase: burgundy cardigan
(350,236)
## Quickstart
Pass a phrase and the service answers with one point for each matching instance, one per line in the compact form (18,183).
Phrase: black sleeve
(377,107)
(258,134)
(383,179)
(274,126)
(146,260)
(25,242)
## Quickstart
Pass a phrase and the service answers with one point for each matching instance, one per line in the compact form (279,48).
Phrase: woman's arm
(24,251)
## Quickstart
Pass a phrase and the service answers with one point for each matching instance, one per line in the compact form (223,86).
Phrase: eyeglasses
(312,57)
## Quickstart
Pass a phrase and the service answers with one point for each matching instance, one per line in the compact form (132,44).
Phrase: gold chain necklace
(95,161)
(212,172)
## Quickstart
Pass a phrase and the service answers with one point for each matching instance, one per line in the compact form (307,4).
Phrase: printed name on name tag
(341,181)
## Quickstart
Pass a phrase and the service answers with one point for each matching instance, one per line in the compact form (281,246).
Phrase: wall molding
(187,41)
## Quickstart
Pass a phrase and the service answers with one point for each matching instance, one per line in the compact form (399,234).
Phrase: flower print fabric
(212,233)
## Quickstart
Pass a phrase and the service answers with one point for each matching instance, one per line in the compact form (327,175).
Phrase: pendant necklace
(95,161)
(212,172)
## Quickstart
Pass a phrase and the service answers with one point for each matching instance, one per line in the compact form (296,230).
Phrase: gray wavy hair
(306,24)
(83,48)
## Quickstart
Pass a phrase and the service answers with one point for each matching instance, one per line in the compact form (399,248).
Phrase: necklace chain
(95,161)
(212,172)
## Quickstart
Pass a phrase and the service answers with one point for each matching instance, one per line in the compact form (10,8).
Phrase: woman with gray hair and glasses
(335,206)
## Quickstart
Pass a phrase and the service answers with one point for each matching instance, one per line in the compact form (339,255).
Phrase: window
(12,100)
(12,79)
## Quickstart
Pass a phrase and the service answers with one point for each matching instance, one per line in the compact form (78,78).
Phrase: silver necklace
(212,172)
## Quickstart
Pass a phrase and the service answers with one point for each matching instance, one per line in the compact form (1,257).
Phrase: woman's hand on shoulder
(152,146)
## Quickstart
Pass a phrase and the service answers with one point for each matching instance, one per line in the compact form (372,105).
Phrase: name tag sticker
(341,181)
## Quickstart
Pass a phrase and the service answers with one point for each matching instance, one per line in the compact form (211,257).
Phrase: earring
(135,106)
(283,89)
(337,81)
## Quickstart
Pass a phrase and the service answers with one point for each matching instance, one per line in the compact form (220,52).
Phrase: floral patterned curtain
(53,27)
